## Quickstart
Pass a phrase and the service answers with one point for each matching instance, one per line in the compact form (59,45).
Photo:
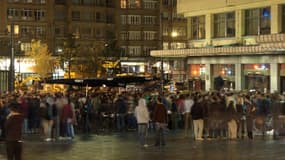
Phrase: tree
(42,57)
(70,52)
(91,57)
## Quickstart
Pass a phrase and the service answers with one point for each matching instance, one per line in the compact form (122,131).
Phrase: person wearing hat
(13,131)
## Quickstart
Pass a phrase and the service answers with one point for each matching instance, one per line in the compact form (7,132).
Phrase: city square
(142,79)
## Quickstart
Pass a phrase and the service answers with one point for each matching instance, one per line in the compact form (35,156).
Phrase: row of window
(26,14)
(146,4)
(30,31)
(137,35)
(92,16)
(85,31)
(137,50)
(137,19)
(169,30)
(256,21)
(172,16)
(107,3)
(28,1)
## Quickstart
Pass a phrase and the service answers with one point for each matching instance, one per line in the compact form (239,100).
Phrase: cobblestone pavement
(125,147)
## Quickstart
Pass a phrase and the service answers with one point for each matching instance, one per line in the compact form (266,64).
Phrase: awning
(111,81)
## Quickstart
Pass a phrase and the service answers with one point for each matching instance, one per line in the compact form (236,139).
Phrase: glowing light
(229,72)
(174,34)
(223,72)
(195,72)
(263,67)
(255,66)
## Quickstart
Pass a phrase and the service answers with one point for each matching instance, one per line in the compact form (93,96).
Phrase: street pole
(161,58)
(12,59)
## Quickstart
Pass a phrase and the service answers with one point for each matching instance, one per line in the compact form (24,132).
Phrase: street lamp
(12,29)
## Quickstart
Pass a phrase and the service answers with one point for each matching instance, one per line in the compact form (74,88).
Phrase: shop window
(257,77)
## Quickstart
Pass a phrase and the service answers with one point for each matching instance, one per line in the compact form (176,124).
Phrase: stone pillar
(239,16)
(208,29)
(274,77)
(275,18)
(238,77)
(208,77)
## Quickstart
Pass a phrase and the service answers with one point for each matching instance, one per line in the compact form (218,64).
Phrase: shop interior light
(263,67)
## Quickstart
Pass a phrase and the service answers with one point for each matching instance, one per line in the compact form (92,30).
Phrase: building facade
(238,41)
(134,25)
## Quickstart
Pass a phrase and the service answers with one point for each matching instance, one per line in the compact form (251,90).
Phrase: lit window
(224,25)
(257,21)
(197,27)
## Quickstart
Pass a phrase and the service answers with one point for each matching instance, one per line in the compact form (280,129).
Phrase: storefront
(225,73)
(196,77)
(257,77)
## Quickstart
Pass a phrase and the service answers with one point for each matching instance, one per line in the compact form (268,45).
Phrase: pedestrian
(4,112)
(232,121)
(250,110)
(188,103)
(67,118)
(13,129)
(142,116)
(174,113)
(121,111)
(197,112)
(46,119)
(160,120)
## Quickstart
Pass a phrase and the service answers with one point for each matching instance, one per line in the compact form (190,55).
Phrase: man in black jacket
(197,112)
(13,129)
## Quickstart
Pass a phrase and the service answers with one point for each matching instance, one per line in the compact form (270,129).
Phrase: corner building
(240,41)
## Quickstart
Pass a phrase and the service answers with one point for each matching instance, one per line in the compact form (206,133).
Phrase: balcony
(270,38)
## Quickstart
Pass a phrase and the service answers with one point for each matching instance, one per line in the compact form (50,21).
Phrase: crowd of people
(201,115)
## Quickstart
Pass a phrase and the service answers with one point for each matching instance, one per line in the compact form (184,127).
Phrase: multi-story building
(52,21)
(147,25)
(241,42)
(137,26)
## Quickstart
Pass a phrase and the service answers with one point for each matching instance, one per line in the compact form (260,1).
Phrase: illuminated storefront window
(257,77)
(223,76)
(197,77)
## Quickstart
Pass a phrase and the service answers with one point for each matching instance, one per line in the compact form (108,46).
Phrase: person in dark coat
(197,112)
(250,110)
(160,120)
(13,129)
(121,110)
(276,112)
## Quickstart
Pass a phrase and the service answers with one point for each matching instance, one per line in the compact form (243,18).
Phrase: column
(208,77)
(239,25)
(208,29)
(275,19)
(238,77)
(274,77)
